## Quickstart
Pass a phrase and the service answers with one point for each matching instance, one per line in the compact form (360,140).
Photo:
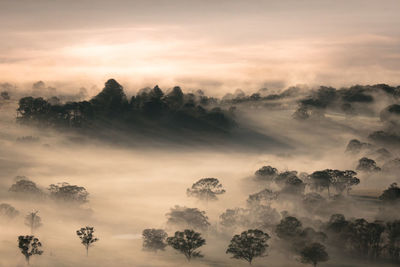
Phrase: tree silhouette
(33,220)
(187,242)
(391,195)
(206,189)
(87,237)
(68,193)
(154,239)
(6,210)
(188,217)
(313,254)
(249,245)
(29,246)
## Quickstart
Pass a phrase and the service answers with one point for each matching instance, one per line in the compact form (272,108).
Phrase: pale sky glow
(216,45)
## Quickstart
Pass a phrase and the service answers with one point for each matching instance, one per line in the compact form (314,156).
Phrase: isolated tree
(249,245)
(68,193)
(6,210)
(154,239)
(188,217)
(33,220)
(313,254)
(87,237)
(367,165)
(187,242)
(206,189)
(29,246)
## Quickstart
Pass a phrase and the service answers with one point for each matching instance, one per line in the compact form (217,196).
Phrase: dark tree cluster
(61,192)
(343,100)
(150,108)
(359,237)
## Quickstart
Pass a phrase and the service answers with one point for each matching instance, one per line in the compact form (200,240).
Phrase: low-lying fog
(132,188)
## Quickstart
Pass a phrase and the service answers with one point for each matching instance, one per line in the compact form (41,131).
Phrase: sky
(216,46)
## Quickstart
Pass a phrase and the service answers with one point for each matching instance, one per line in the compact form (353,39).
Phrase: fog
(133,185)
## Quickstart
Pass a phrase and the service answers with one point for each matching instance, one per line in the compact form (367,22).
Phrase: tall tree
(33,220)
(187,242)
(87,237)
(206,189)
(249,245)
(29,246)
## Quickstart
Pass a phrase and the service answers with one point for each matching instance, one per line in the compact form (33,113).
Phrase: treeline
(350,101)
(149,108)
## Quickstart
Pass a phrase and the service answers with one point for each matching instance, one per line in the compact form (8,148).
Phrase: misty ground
(132,188)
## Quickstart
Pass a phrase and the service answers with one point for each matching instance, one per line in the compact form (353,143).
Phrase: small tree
(206,189)
(187,242)
(33,221)
(313,254)
(154,239)
(249,245)
(87,237)
(29,246)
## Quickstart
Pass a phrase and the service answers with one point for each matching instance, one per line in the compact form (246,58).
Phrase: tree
(188,217)
(391,195)
(284,176)
(293,185)
(206,189)
(343,180)
(154,239)
(288,228)
(87,237)
(111,100)
(33,221)
(68,193)
(367,165)
(313,254)
(29,246)
(26,187)
(187,242)
(321,180)
(266,173)
(393,246)
(249,245)
(264,197)
(257,216)
(6,210)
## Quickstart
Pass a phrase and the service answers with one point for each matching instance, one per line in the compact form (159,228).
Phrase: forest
(305,176)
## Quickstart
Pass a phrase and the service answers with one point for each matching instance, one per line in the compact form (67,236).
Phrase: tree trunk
(87,251)
(27,259)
